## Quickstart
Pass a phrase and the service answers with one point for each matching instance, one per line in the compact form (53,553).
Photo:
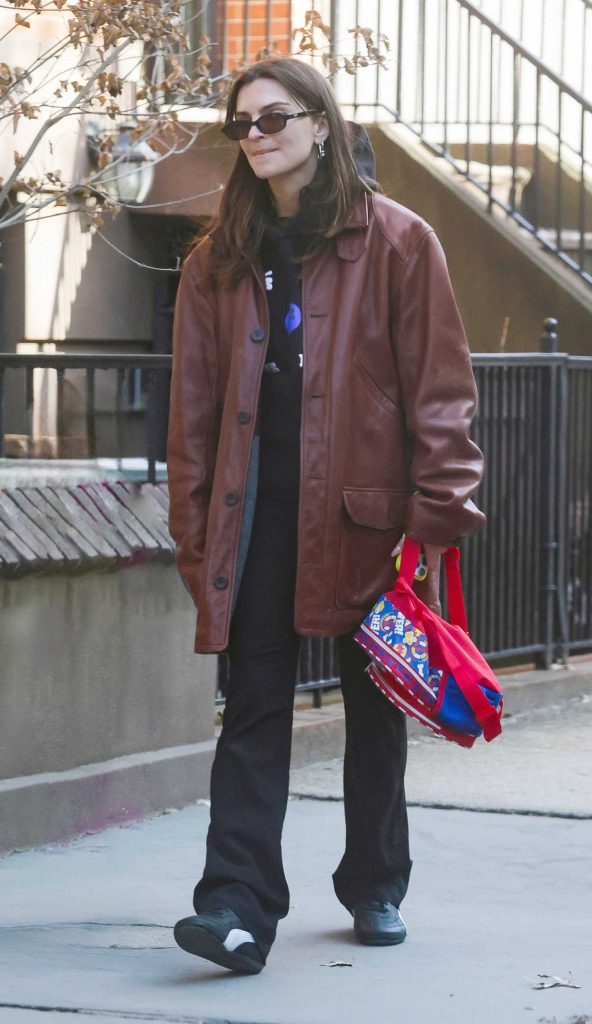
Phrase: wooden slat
(131,528)
(71,511)
(59,532)
(139,501)
(125,551)
(10,559)
(83,528)
(31,525)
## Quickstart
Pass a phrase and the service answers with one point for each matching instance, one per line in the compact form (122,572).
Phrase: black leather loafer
(220,936)
(378,923)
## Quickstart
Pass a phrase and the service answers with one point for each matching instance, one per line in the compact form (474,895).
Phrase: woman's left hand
(427,590)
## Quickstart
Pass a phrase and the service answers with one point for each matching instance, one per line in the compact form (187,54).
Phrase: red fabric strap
(457,614)
(409,559)
(456,603)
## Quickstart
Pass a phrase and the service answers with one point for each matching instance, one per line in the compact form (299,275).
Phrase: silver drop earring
(321,151)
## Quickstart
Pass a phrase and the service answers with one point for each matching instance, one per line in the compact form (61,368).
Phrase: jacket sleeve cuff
(444,524)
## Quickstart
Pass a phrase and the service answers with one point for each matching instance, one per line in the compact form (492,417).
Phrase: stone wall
(106,714)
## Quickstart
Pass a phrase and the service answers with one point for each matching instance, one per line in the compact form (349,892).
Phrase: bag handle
(456,603)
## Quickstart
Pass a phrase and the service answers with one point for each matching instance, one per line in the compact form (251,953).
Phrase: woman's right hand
(427,590)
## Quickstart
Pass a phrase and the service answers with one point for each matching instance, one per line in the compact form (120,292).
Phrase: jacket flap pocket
(381,509)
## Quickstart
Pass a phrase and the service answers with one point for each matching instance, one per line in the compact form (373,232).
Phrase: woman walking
(321,399)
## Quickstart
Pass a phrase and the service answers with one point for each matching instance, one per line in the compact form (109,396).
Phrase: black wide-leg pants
(250,774)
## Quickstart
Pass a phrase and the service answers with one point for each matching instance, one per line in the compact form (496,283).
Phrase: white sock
(236,937)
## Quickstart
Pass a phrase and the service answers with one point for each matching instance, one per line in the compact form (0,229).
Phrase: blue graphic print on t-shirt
(293,318)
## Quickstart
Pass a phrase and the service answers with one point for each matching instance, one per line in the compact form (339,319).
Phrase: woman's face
(293,149)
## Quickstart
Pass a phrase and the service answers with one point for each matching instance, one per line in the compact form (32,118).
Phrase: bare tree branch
(133,62)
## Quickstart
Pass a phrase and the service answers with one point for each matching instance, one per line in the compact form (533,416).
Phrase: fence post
(554,494)
(563,388)
(549,337)
(550,530)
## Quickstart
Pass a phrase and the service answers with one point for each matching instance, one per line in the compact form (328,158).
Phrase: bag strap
(409,559)
(457,614)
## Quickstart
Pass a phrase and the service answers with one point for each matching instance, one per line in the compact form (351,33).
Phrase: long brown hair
(246,200)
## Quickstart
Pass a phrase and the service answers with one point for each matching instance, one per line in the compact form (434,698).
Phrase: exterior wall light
(128,179)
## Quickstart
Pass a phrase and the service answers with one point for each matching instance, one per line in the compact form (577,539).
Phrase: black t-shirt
(281,384)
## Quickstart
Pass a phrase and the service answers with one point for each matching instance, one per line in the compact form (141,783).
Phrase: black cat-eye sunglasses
(268,124)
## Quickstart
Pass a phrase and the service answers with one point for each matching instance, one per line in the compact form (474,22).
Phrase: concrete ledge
(54,807)
(526,691)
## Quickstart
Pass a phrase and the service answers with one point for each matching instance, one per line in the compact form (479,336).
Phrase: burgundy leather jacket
(388,398)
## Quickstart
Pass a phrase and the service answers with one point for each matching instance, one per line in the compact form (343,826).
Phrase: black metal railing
(575,505)
(528,573)
(318,669)
(548,27)
(155,372)
(478,98)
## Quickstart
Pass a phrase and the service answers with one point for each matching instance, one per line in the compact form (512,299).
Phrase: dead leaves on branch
(109,81)
(312,21)
(13,79)
(371,53)
(102,30)
(111,23)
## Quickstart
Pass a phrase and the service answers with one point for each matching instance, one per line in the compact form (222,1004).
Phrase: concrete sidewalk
(495,899)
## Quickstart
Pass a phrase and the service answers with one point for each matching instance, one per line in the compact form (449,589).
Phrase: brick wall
(232,16)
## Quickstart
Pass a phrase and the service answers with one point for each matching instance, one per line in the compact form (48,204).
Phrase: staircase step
(500,176)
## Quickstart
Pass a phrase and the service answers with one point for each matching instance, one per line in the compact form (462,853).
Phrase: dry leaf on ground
(552,981)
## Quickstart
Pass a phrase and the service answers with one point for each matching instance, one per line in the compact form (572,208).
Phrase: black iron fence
(528,573)
(141,386)
(318,669)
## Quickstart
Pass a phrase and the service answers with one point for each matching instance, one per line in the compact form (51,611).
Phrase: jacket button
(221,582)
(231,498)
(243,416)
(258,334)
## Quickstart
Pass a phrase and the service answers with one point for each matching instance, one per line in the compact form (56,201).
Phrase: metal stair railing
(531,21)
(469,90)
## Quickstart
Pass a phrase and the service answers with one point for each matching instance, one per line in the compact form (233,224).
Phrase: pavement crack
(437,805)
(518,811)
